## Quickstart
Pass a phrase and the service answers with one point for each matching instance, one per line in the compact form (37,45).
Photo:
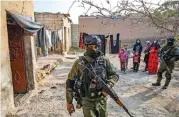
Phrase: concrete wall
(24,8)
(75,35)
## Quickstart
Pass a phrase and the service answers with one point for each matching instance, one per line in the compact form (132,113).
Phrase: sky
(63,6)
(55,6)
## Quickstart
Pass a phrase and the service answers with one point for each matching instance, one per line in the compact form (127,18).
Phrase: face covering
(170,43)
(138,41)
(93,53)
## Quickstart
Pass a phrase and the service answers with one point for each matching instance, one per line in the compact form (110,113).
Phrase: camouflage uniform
(96,106)
(169,54)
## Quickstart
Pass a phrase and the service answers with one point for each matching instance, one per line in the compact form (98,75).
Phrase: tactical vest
(167,52)
(97,67)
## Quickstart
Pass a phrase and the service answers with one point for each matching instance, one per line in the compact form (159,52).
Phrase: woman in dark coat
(146,57)
(153,57)
(137,49)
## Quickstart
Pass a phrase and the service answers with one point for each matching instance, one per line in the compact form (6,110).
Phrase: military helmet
(171,38)
(92,40)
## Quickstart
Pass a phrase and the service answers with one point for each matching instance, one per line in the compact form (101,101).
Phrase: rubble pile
(47,69)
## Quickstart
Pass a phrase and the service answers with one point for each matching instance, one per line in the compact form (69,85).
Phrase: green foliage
(168,9)
(177,38)
(170,13)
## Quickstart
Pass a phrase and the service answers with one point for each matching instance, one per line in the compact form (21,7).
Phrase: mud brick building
(17,53)
(54,22)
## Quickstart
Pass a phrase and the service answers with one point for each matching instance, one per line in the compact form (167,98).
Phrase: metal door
(17,58)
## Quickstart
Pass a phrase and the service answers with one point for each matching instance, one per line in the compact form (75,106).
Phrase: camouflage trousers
(167,69)
(94,107)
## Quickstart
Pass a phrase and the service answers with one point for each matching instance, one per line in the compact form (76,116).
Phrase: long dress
(153,60)
(81,41)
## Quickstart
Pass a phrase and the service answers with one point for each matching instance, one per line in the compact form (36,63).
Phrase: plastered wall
(20,7)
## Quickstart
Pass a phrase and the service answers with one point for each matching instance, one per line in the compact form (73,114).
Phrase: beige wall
(128,32)
(107,26)
(67,24)
(24,8)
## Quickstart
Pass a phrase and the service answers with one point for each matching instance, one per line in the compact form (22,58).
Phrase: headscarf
(156,45)
(137,42)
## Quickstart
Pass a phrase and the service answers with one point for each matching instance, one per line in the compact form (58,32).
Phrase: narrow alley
(42,39)
(134,89)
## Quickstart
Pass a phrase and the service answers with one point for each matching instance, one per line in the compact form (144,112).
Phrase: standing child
(123,58)
(136,61)
(138,48)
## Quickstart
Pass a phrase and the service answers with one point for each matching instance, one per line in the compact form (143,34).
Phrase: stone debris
(47,69)
(53,87)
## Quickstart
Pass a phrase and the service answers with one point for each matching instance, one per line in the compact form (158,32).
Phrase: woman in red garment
(153,57)
(81,43)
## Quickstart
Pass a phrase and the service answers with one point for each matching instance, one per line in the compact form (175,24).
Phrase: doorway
(17,57)
(65,38)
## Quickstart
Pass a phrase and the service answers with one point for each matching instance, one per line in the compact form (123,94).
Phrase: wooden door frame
(29,56)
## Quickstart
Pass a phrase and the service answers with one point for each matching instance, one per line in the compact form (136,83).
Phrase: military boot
(166,84)
(158,82)
(164,87)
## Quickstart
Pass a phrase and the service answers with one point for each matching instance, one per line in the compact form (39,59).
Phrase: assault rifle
(108,90)
(162,58)
(77,93)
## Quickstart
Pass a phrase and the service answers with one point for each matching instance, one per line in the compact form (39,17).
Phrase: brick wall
(54,22)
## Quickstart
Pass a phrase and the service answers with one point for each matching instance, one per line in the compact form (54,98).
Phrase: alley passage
(134,89)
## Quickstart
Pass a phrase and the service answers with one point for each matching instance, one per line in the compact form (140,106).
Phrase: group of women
(151,55)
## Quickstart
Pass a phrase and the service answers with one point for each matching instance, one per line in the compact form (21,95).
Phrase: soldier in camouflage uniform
(93,98)
(168,54)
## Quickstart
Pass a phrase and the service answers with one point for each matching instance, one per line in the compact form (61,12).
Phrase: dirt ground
(134,89)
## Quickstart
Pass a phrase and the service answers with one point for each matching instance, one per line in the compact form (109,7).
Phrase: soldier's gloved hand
(70,108)
(105,94)
(110,86)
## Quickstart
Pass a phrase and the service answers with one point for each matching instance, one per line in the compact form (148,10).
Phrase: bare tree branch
(88,10)
(71,5)
(158,14)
